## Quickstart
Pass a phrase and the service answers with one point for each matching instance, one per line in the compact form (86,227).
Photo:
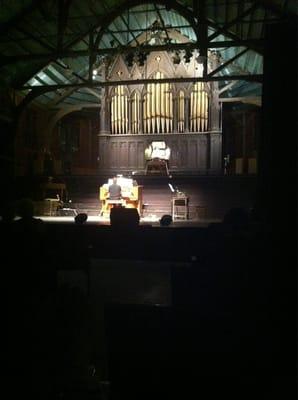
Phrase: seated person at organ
(115,190)
(124,191)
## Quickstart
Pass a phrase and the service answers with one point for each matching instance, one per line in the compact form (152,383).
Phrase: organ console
(132,195)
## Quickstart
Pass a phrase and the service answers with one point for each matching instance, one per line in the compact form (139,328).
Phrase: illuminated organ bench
(132,196)
(185,116)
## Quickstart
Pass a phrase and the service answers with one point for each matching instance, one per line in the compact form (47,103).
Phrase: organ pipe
(198,108)
(158,108)
(149,108)
(112,115)
(119,111)
(171,110)
(206,112)
(162,108)
(166,107)
(202,114)
(181,110)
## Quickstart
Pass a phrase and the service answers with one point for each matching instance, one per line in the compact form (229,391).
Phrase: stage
(210,197)
(150,220)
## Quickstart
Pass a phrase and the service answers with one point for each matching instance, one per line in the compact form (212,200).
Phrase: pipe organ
(185,115)
(158,109)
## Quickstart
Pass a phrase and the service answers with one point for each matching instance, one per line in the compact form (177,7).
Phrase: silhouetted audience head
(81,218)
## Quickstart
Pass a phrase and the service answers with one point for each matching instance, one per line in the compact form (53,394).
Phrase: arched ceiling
(49,49)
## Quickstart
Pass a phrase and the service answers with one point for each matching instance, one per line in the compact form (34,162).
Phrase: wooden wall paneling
(192,153)
(174,158)
(183,153)
(123,154)
(141,154)
(215,152)
(132,154)
(202,152)
(114,156)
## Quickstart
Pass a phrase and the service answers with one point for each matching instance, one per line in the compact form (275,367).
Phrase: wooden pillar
(141,122)
(105,113)
(214,108)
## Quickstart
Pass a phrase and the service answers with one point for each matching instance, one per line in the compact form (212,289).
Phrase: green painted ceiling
(52,42)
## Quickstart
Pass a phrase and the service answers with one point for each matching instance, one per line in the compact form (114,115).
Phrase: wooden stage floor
(150,220)
(210,198)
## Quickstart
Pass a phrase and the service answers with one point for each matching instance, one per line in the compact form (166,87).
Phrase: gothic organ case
(186,116)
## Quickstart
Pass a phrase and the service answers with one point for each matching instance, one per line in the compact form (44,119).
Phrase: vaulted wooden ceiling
(49,49)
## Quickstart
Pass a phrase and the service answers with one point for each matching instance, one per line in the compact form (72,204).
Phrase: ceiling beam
(36,39)
(269,5)
(224,65)
(5,60)
(254,44)
(63,11)
(78,105)
(227,87)
(256,100)
(104,21)
(233,22)
(60,97)
(12,23)
(146,29)
(93,92)
(162,22)
(42,89)
(202,30)
(132,34)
